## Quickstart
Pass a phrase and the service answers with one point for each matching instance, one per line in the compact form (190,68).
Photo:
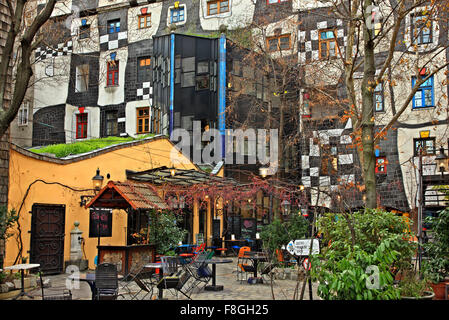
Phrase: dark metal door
(47,237)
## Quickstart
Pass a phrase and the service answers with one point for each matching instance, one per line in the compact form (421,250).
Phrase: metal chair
(176,282)
(106,281)
(60,293)
(142,278)
(199,270)
(169,265)
(243,268)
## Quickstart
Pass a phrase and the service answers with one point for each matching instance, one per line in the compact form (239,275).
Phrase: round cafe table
(214,262)
(22,268)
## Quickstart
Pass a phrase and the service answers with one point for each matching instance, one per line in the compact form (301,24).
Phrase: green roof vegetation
(63,150)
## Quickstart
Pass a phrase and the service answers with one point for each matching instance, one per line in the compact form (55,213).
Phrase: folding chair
(242,263)
(169,265)
(199,270)
(176,282)
(106,281)
(140,277)
(59,293)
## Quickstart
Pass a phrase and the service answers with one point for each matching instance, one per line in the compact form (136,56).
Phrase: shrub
(361,250)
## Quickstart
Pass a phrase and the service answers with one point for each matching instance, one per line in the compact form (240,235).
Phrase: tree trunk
(367,124)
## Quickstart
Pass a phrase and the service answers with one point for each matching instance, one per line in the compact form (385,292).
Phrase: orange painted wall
(24,170)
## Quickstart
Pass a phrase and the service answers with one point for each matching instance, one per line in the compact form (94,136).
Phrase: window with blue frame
(424,97)
(177,15)
(114,26)
(379,98)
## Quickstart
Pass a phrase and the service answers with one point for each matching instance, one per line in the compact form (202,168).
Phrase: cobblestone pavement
(226,276)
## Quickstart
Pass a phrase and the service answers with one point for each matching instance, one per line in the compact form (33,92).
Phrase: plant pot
(428,296)
(439,289)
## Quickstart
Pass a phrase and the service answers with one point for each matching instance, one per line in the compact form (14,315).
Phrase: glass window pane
(428,97)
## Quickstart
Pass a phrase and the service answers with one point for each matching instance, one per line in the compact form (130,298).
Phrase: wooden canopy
(127,194)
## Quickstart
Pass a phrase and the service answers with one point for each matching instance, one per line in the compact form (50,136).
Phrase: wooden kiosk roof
(127,194)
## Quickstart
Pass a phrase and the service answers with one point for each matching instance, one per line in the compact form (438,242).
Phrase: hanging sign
(302,247)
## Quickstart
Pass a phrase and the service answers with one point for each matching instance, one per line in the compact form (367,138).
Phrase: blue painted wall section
(222,91)
(172,79)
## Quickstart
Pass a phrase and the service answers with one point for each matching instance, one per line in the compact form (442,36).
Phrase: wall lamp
(97,182)
(442,161)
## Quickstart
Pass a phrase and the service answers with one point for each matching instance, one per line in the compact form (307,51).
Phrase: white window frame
(24,110)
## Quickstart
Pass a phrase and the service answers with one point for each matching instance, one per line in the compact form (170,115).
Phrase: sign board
(248,230)
(306,264)
(302,247)
(100,222)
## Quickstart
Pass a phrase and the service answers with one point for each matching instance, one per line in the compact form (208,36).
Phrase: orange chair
(242,263)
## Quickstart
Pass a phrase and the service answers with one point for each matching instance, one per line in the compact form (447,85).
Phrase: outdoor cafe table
(256,257)
(155,265)
(22,268)
(214,262)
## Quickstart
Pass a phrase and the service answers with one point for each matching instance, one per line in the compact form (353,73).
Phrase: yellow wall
(25,169)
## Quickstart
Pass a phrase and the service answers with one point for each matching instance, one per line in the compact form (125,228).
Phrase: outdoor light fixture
(97,181)
(285,205)
(442,161)
(172,171)
(263,172)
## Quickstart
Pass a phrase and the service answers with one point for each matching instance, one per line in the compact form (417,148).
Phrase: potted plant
(412,287)
(436,266)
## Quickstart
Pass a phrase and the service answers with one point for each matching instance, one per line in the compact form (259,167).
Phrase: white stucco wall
(116,94)
(51,90)
(86,45)
(240,14)
(93,123)
(130,115)
(136,34)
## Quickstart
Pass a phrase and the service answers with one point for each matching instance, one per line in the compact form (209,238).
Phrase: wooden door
(47,237)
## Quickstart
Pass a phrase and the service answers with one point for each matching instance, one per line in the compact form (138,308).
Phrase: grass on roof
(63,150)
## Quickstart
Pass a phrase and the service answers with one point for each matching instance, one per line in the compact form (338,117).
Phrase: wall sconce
(442,161)
(172,171)
(263,172)
(285,205)
(97,182)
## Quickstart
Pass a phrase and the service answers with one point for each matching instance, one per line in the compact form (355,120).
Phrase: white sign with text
(302,247)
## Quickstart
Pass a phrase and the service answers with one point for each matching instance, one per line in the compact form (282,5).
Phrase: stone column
(76,252)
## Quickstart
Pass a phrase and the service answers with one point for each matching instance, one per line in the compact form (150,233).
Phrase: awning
(127,194)
(182,177)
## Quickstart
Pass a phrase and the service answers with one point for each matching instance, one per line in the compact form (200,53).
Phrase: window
(156,121)
(276,43)
(111,123)
(276,1)
(23,115)
(114,26)
(202,75)
(379,98)
(144,21)
(424,97)
(81,126)
(381,165)
(84,32)
(82,78)
(216,7)
(112,74)
(143,69)
(177,15)
(143,120)
(427,145)
(327,44)
(421,29)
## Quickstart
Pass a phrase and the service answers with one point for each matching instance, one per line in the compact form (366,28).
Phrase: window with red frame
(81,126)
(276,1)
(381,165)
(112,74)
